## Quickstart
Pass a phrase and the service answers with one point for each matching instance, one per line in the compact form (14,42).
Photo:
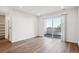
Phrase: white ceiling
(40,10)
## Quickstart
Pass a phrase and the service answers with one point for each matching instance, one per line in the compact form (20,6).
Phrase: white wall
(71,29)
(41,27)
(78,26)
(23,26)
(72,26)
(19,25)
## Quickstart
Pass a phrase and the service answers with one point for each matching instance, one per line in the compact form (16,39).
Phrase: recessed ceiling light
(38,14)
(62,7)
(20,6)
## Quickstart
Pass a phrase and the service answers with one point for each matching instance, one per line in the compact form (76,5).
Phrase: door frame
(65,25)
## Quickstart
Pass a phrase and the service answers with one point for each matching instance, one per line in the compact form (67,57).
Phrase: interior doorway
(55,27)
(2,27)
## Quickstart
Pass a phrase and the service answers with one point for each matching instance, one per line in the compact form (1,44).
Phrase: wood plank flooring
(38,45)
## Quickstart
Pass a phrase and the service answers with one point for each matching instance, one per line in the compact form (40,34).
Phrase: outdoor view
(53,27)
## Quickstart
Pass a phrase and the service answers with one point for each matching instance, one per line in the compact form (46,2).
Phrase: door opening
(2,27)
(55,27)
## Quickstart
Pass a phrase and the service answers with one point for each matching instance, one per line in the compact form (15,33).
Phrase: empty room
(39,29)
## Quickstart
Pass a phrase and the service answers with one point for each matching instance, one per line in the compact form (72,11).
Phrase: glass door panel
(48,28)
(57,27)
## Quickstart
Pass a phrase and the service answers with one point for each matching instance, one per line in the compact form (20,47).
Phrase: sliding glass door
(57,27)
(48,28)
(54,27)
